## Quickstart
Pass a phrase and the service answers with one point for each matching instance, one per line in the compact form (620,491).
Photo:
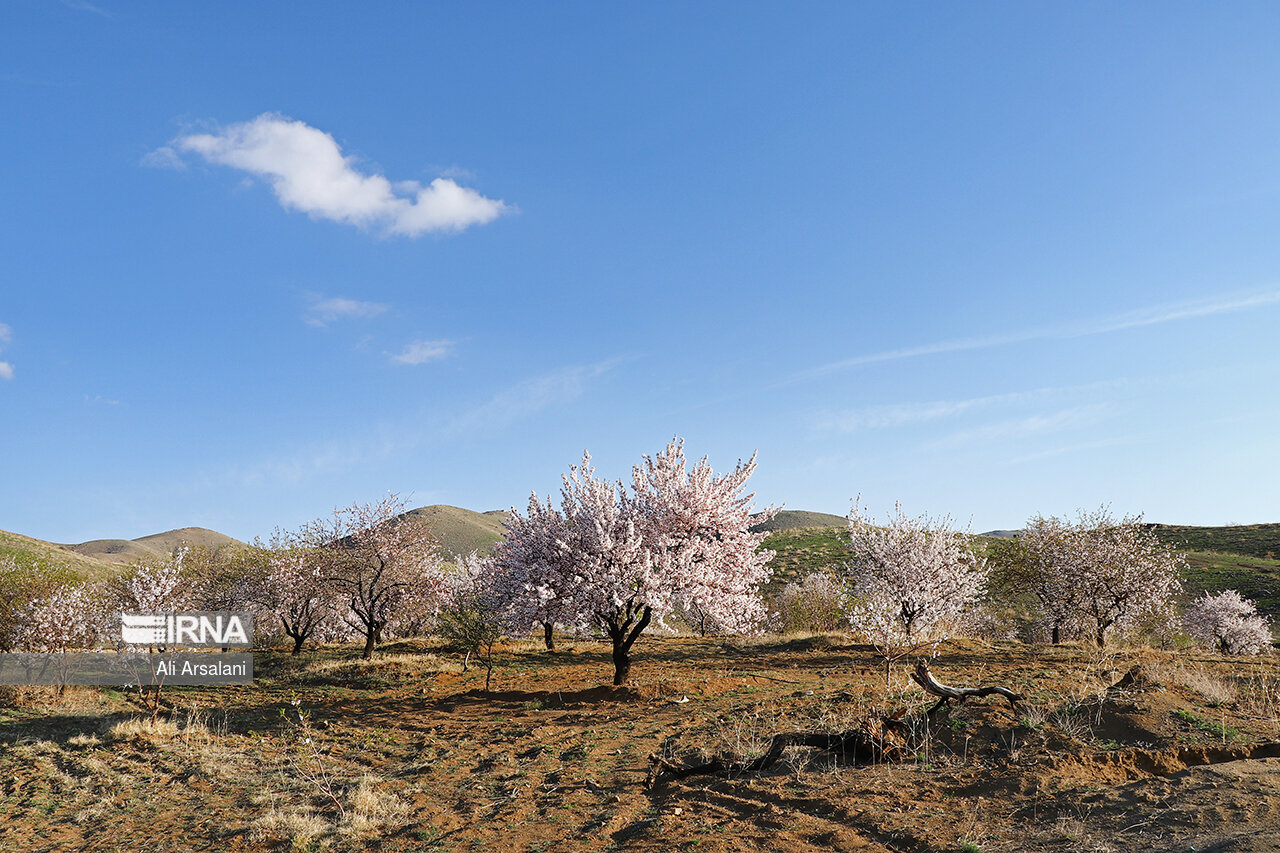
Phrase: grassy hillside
(1250,540)
(794,519)
(35,553)
(460,531)
(806,550)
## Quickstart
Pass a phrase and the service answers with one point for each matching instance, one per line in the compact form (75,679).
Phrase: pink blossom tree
(815,604)
(909,578)
(295,592)
(696,525)
(1102,573)
(531,572)
(381,564)
(621,561)
(1229,623)
(68,617)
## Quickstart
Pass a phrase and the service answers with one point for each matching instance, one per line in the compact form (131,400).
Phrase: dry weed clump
(1198,679)
(371,811)
(391,666)
(300,828)
(145,730)
(69,700)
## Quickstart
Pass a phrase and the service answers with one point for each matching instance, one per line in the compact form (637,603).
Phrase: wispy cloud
(420,352)
(164,157)
(1098,326)
(1071,448)
(308,171)
(322,312)
(99,400)
(1018,428)
(82,6)
(905,414)
(6,335)
(529,397)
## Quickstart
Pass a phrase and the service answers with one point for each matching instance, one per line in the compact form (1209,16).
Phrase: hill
(26,551)
(460,531)
(100,558)
(123,551)
(796,519)
(1250,540)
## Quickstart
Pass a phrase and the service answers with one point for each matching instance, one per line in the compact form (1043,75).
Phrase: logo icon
(223,629)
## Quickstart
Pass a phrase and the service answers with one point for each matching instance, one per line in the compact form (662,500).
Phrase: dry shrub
(371,811)
(145,730)
(1214,690)
(300,828)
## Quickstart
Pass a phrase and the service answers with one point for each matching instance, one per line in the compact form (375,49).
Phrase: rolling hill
(460,531)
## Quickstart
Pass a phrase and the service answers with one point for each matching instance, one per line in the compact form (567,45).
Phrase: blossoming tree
(1102,573)
(380,563)
(908,578)
(1230,623)
(620,561)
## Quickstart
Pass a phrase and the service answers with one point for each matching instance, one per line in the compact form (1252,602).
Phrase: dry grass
(1196,678)
(145,730)
(371,811)
(300,828)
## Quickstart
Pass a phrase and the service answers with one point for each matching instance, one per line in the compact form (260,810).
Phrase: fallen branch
(864,745)
(925,679)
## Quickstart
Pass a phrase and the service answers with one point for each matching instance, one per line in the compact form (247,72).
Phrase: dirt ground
(406,752)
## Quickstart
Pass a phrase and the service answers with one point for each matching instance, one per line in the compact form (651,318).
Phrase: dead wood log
(864,745)
(925,679)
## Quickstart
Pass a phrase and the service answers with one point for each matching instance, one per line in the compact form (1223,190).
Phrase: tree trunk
(1057,633)
(297,643)
(549,636)
(369,642)
(621,664)
(1102,635)
(623,640)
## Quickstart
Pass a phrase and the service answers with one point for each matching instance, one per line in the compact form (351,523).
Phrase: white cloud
(164,157)
(1102,325)
(308,172)
(903,414)
(420,352)
(530,396)
(6,335)
(325,311)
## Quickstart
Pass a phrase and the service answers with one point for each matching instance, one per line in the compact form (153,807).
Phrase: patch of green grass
(1220,731)
(1252,540)
(803,551)
(1256,578)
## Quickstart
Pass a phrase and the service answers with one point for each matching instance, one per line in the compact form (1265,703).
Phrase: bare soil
(1180,755)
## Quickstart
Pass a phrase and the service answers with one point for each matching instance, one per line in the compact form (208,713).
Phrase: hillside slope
(460,531)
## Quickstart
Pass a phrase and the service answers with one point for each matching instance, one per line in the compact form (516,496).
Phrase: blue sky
(989,260)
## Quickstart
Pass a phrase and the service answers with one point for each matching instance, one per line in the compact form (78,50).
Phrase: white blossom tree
(68,617)
(381,564)
(295,592)
(1230,623)
(1103,574)
(472,616)
(156,585)
(532,574)
(815,604)
(620,561)
(908,578)
(696,525)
